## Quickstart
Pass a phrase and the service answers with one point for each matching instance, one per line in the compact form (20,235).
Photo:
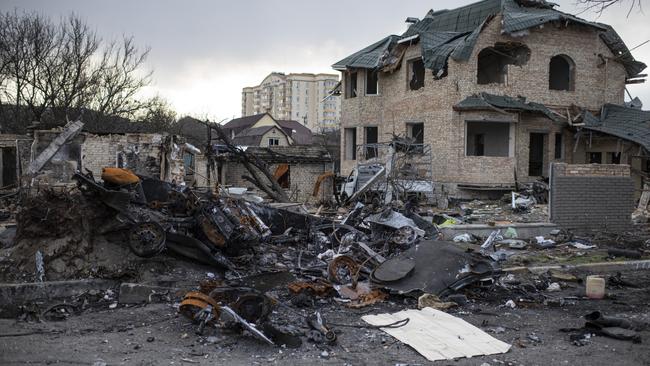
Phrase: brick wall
(592,197)
(395,105)
(139,152)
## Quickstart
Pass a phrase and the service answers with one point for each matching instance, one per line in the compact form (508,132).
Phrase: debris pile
(272,269)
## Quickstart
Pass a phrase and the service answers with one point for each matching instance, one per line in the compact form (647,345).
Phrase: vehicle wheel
(146,239)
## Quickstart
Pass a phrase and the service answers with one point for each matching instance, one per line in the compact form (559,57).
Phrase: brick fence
(591,197)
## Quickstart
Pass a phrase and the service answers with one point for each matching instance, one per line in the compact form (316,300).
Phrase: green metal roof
(367,58)
(453,33)
(485,101)
(627,123)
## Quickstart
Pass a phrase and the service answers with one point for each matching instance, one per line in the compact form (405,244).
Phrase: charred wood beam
(255,166)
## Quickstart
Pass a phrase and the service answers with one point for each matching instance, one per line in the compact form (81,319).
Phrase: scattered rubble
(265,271)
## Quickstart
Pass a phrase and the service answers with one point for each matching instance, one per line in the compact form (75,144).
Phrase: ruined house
(294,157)
(497,89)
(296,168)
(100,144)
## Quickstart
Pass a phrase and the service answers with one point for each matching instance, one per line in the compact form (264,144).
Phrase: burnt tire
(146,239)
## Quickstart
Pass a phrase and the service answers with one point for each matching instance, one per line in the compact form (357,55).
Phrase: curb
(599,266)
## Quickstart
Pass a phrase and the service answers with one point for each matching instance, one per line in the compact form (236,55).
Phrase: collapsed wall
(588,197)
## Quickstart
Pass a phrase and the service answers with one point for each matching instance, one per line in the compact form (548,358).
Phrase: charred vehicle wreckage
(360,258)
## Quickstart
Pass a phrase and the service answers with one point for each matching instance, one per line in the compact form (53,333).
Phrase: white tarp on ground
(437,335)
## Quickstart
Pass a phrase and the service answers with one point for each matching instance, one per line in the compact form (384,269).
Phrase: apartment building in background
(306,98)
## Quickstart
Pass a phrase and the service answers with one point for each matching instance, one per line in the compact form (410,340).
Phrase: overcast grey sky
(203,52)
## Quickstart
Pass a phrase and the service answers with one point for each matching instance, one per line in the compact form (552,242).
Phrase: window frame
(351,92)
(409,71)
(370,72)
(269,139)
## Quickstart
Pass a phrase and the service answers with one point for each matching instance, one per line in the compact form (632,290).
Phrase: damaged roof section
(627,123)
(453,33)
(501,103)
(369,57)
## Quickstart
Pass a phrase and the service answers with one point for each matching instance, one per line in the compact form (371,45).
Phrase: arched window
(561,73)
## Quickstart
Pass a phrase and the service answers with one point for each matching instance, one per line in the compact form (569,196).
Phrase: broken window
(614,157)
(350,141)
(558,146)
(561,72)
(372,82)
(488,139)
(274,141)
(416,74)
(415,131)
(351,85)
(8,174)
(493,62)
(595,157)
(372,135)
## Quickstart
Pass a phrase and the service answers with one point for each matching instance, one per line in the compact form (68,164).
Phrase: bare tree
(599,6)
(120,79)
(157,113)
(66,68)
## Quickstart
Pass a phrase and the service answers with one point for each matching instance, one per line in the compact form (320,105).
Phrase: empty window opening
(8,174)
(559,149)
(595,157)
(350,141)
(372,80)
(561,72)
(283,175)
(372,136)
(488,139)
(493,61)
(536,154)
(415,131)
(416,74)
(351,85)
(274,141)
(614,157)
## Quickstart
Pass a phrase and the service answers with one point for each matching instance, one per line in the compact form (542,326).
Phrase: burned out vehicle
(194,224)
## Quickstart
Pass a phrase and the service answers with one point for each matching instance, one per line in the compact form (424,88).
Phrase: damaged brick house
(497,88)
(117,143)
(286,146)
